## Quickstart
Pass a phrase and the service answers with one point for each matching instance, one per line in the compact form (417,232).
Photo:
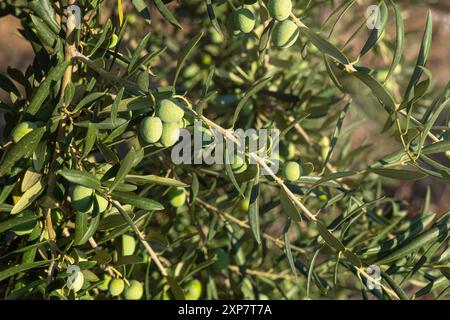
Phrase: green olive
(324,144)
(285,34)
(206,59)
(244,205)
(279,9)
(151,129)
(177,197)
(244,20)
(116,287)
(169,111)
(106,279)
(263,296)
(81,198)
(194,290)
(134,291)
(191,71)
(102,203)
(77,284)
(215,36)
(238,164)
(170,134)
(128,245)
(292,171)
(222,261)
(287,151)
(21,130)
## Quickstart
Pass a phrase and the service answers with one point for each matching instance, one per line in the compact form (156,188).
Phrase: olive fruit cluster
(285,32)
(164,128)
(133,291)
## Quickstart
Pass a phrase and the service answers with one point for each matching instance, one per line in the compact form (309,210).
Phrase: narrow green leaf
(438,231)
(43,91)
(253,211)
(399,40)
(5,274)
(17,220)
(187,49)
(91,138)
(376,33)
(125,167)
(166,13)
(81,177)
(289,207)
(137,201)
(28,197)
(378,90)
(255,88)
(22,149)
(137,53)
(152,179)
(422,58)
(398,174)
(324,45)
(81,226)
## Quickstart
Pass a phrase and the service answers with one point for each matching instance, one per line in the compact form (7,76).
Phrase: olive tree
(94,205)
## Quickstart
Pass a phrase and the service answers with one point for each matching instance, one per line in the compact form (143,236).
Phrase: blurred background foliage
(397,220)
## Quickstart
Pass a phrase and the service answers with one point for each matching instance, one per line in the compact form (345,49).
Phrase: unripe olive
(285,34)
(244,20)
(447,153)
(177,197)
(206,59)
(263,296)
(191,71)
(82,198)
(244,205)
(222,261)
(238,164)
(193,290)
(21,130)
(292,171)
(169,111)
(287,151)
(324,144)
(128,245)
(134,291)
(279,9)
(116,287)
(102,203)
(78,282)
(106,279)
(151,129)
(170,134)
(216,37)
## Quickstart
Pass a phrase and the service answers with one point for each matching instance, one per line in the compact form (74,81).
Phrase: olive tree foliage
(92,206)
